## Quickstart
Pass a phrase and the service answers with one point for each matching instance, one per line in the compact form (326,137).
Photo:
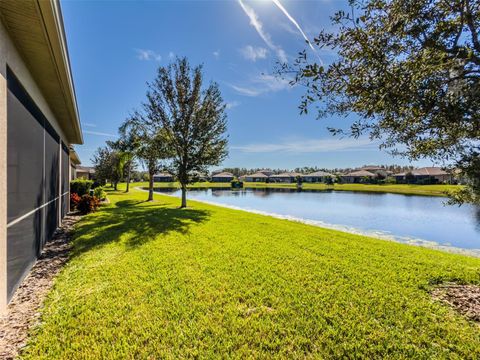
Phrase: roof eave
(36,28)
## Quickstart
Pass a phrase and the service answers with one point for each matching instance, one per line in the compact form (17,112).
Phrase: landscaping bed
(463,298)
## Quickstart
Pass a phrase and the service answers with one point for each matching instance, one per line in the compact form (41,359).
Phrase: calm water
(406,218)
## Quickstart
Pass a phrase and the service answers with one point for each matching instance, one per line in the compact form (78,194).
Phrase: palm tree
(147,142)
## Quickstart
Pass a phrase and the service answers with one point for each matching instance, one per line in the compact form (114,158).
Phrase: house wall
(314,179)
(255,179)
(352,179)
(222,179)
(282,180)
(162,179)
(15,258)
(3,170)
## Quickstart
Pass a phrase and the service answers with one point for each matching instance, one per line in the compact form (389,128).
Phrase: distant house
(163,177)
(198,176)
(372,168)
(317,176)
(357,176)
(426,175)
(265,172)
(222,177)
(84,172)
(257,177)
(377,170)
(288,177)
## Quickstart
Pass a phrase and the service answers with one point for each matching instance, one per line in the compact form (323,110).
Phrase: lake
(419,220)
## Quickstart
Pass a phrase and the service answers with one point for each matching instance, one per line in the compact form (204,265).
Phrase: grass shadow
(143,221)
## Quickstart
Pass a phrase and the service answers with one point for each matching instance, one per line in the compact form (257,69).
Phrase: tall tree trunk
(115,183)
(150,187)
(184,196)
(128,176)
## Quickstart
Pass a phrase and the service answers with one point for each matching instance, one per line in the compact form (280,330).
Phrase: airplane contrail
(257,24)
(294,22)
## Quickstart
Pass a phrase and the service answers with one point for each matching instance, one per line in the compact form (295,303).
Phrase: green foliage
(88,204)
(193,118)
(80,186)
(411,70)
(236,184)
(150,280)
(149,142)
(390,180)
(99,193)
(107,162)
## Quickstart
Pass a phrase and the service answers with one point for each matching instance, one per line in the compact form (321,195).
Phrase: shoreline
(402,189)
(377,234)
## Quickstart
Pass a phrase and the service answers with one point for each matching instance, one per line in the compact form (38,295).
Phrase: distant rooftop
(425,171)
(319,174)
(223,174)
(287,174)
(360,173)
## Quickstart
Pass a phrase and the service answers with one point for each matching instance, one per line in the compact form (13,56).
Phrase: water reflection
(405,216)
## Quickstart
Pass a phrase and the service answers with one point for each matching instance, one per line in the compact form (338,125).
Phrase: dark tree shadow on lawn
(143,221)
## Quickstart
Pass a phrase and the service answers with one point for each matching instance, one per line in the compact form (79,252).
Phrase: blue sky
(116,47)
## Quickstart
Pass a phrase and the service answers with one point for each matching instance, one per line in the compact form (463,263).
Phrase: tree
(124,152)
(106,162)
(411,70)
(193,118)
(148,142)
(126,145)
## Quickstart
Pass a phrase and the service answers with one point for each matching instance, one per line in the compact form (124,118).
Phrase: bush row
(81,197)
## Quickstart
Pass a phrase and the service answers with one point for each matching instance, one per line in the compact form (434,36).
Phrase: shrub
(390,180)
(99,193)
(80,186)
(88,204)
(74,200)
(299,180)
(236,184)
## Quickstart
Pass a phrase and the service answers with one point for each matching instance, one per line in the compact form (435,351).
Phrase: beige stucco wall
(3,171)
(10,56)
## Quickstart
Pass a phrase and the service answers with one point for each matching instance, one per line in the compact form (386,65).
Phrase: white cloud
(88,124)
(308,146)
(246,91)
(216,54)
(252,53)
(262,84)
(232,104)
(171,55)
(258,25)
(97,133)
(272,83)
(147,54)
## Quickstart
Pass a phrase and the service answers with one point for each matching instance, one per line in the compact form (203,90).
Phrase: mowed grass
(425,190)
(148,280)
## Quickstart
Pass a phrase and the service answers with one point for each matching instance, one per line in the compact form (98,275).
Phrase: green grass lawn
(427,190)
(148,280)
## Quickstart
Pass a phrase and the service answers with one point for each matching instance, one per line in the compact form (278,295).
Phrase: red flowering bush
(88,204)
(74,200)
